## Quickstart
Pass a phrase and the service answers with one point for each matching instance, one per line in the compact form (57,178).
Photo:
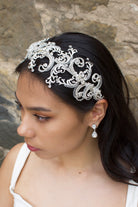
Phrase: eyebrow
(35,108)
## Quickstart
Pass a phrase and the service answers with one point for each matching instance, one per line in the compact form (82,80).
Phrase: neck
(82,160)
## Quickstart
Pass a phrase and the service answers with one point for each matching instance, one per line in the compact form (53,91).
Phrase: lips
(33,149)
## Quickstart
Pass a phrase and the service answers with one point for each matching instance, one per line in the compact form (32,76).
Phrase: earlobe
(98,112)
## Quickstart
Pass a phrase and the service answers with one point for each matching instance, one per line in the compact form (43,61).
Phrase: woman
(80,137)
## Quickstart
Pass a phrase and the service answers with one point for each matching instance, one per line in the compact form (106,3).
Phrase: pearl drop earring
(94,133)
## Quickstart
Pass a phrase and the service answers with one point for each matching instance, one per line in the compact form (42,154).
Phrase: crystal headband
(60,62)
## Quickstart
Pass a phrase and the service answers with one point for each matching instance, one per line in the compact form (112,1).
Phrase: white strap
(132,196)
(20,161)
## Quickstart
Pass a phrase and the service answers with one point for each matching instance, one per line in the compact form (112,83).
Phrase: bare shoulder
(5,175)
(9,160)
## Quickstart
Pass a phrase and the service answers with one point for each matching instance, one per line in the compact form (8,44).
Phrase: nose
(26,129)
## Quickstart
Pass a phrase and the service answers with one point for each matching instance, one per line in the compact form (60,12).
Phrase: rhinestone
(94,134)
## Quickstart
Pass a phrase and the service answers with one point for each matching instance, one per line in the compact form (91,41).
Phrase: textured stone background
(114,22)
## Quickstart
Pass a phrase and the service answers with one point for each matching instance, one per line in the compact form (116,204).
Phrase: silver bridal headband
(60,62)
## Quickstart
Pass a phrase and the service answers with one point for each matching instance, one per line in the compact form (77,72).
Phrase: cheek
(64,127)
(64,134)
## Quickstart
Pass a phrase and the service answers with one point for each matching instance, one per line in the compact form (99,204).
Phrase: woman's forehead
(32,91)
(29,85)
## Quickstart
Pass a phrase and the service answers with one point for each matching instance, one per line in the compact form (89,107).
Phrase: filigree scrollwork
(60,62)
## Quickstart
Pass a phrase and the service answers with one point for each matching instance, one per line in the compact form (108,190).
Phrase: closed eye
(42,118)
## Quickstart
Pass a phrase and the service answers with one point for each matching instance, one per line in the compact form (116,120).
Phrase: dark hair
(118,135)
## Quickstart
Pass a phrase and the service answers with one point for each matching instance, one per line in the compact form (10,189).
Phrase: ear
(98,112)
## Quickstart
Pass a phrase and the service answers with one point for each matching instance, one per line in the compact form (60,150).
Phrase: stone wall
(114,22)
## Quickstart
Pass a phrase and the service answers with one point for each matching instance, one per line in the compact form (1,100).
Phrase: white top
(132,194)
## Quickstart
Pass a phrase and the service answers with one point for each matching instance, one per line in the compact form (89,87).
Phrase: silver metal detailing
(59,62)
(94,133)
(133,170)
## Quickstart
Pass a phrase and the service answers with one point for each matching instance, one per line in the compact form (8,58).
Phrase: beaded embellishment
(60,62)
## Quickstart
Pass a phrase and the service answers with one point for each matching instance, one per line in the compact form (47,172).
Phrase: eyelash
(18,104)
(41,118)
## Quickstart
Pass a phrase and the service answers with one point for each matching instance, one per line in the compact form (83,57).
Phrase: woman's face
(48,124)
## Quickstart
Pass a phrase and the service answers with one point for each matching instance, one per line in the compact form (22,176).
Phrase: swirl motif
(60,62)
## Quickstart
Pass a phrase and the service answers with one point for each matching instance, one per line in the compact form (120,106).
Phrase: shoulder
(6,173)
(11,157)
(9,161)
